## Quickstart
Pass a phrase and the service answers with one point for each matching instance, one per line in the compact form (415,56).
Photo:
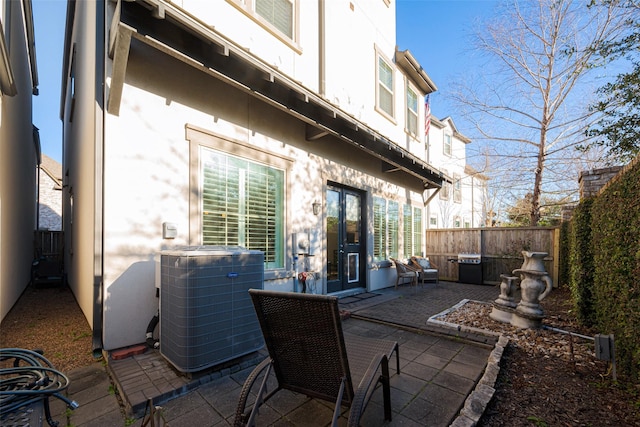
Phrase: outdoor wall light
(316,207)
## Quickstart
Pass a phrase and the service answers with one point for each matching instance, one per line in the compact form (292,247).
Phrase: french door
(346,248)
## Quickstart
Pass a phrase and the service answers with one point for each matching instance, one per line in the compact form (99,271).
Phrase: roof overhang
(182,36)
(414,70)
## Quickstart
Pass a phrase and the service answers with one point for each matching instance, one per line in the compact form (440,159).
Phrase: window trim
(247,8)
(380,57)
(388,241)
(198,138)
(412,132)
(457,188)
(447,137)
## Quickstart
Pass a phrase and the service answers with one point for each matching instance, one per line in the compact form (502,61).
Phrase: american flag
(427,116)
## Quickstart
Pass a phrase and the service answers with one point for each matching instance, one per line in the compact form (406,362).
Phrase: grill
(470,268)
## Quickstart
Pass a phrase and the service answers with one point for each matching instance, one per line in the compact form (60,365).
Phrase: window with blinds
(457,188)
(412,230)
(379,229)
(243,205)
(412,111)
(386,227)
(278,13)
(385,87)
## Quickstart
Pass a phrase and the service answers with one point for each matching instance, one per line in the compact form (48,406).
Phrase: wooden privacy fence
(501,249)
(48,244)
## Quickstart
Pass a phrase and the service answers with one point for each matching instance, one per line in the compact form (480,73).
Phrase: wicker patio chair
(309,354)
(427,271)
(405,271)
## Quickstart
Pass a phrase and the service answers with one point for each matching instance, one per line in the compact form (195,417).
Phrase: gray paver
(438,372)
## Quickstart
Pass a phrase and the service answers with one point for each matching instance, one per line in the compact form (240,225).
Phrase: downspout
(98,263)
(38,148)
(321,48)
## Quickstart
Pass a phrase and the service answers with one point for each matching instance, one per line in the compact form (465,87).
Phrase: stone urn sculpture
(504,307)
(534,287)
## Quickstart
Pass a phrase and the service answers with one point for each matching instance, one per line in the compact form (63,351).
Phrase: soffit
(174,32)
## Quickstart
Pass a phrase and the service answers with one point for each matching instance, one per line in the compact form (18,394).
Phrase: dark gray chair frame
(308,354)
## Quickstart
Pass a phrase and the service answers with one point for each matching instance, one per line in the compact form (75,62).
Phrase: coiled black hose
(31,379)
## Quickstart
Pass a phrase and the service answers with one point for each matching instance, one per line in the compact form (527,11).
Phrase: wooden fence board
(501,249)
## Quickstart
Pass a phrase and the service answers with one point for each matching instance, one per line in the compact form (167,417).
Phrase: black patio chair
(308,354)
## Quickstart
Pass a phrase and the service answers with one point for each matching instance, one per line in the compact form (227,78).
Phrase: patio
(438,371)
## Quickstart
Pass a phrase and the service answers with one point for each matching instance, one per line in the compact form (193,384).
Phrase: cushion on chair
(423,262)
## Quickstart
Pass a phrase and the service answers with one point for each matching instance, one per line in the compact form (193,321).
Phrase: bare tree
(530,100)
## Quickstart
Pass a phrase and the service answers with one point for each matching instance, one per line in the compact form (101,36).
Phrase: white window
(278,16)
(412,223)
(457,188)
(445,191)
(412,112)
(433,221)
(385,87)
(447,144)
(278,13)
(385,228)
(457,223)
(242,204)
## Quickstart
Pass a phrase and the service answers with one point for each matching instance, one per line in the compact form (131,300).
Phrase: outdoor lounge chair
(309,354)
(427,271)
(405,271)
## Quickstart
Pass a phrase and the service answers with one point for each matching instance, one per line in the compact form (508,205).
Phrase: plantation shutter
(243,205)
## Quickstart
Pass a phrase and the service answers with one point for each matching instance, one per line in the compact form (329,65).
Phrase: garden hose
(31,379)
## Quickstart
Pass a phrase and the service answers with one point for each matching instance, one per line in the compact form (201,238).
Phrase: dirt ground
(546,378)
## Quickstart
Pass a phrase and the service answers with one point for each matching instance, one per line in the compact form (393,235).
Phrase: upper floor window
(385,87)
(445,191)
(457,188)
(278,16)
(412,111)
(278,13)
(447,144)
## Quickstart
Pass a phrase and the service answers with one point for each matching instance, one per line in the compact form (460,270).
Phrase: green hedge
(604,257)
(564,272)
(616,241)
(581,263)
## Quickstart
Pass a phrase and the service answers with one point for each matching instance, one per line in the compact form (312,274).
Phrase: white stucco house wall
(237,126)
(462,202)
(19,149)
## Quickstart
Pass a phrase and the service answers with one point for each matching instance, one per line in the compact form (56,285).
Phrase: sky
(435,31)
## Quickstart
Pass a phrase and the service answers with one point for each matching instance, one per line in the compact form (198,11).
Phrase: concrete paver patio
(439,369)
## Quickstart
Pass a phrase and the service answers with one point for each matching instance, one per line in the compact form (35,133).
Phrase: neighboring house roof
(52,168)
(470,171)
(441,124)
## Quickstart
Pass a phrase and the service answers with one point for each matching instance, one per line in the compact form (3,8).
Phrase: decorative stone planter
(504,307)
(534,287)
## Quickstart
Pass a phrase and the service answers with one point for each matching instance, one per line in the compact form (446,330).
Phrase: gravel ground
(49,319)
